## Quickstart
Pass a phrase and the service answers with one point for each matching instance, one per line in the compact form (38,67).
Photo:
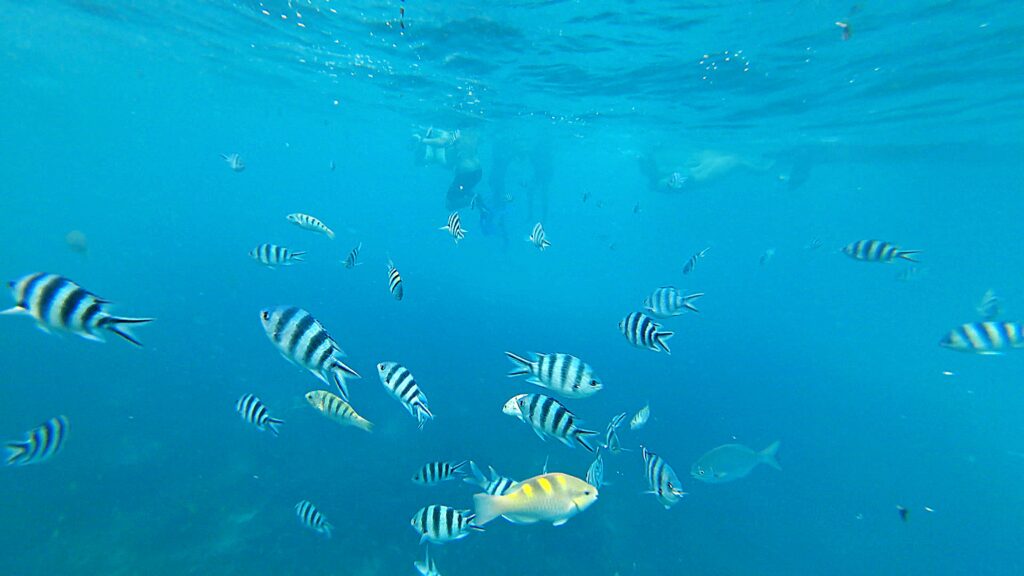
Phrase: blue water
(113,117)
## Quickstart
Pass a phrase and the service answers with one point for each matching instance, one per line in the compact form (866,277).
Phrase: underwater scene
(536,287)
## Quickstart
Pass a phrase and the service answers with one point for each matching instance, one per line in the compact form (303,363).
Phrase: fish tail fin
(544,244)
(476,476)
(523,366)
(906,255)
(582,438)
(330,234)
(298,256)
(119,326)
(272,424)
(422,415)
(15,452)
(660,339)
(458,468)
(339,371)
(768,455)
(486,508)
(688,304)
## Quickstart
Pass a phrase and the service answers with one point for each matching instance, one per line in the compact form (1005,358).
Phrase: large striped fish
(440,524)
(496,485)
(307,222)
(563,374)
(986,338)
(877,251)
(402,386)
(553,497)
(40,443)
(302,340)
(433,473)
(337,409)
(643,332)
(252,410)
(395,281)
(548,417)
(56,302)
(312,518)
(669,301)
(454,227)
(273,255)
(661,479)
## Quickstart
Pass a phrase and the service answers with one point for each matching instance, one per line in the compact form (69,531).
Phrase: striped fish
(254,412)
(640,419)
(312,518)
(595,474)
(661,479)
(400,383)
(307,222)
(563,374)
(497,485)
(302,340)
(611,436)
(643,332)
(669,301)
(395,281)
(427,567)
(877,251)
(440,524)
(274,255)
(56,302)
(692,262)
(537,237)
(40,443)
(454,227)
(990,306)
(433,473)
(985,338)
(337,409)
(353,257)
(548,417)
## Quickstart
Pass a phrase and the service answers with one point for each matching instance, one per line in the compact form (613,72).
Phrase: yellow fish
(554,498)
(337,409)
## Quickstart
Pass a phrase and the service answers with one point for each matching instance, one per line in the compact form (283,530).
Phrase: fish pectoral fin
(88,336)
(559,522)
(15,310)
(534,380)
(539,434)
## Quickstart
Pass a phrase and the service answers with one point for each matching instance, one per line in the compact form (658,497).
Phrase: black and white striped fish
(40,443)
(611,435)
(661,479)
(641,417)
(563,374)
(352,260)
(643,332)
(548,417)
(454,227)
(254,412)
(307,222)
(312,518)
(302,340)
(985,338)
(435,472)
(427,567)
(669,301)
(537,237)
(877,251)
(692,262)
(274,255)
(56,302)
(400,383)
(497,485)
(440,524)
(395,281)
(595,474)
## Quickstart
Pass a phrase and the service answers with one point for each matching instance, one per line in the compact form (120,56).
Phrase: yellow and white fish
(337,409)
(553,497)
(307,222)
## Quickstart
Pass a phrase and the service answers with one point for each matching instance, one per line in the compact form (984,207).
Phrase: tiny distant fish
(561,373)
(402,386)
(877,251)
(676,181)
(985,338)
(440,524)
(496,485)
(586,196)
(911,274)
(669,301)
(732,462)
(41,443)
(454,227)
(273,255)
(352,260)
(312,518)
(846,29)
(990,305)
(814,244)
(595,473)
(337,409)
(77,242)
(435,472)
(427,567)
(234,161)
(611,435)
(332,165)
(395,281)
(692,262)
(553,497)
(767,256)
(537,237)
(307,222)
(661,479)
(643,332)
(56,302)
(640,419)
(304,341)
(903,512)
(548,417)
(254,412)
(636,208)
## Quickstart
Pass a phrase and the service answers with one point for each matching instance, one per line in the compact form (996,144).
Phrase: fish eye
(586,492)
(701,471)
(595,383)
(266,315)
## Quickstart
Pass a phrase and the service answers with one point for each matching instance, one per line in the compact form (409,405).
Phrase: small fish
(331,165)
(496,485)
(877,251)
(985,338)
(595,473)
(903,512)
(254,412)
(732,462)
(553,497)
(307,222)
(814,244)
(311,518)
(563,374)
(639,420)
(440,524)
(41,443)
(661,479)
(643,332)
(337,409)
(303,341)
(766,257)
(911,274)
(433,473)
(352,260)
(548,417)
(427,567)
(990,306)
(56,302)
(636,208)
(402,386)
(586,196)
(537,237)
(454,227)
(234,161)
(846,29)
(273,255)
(692,262)
(395,281)
(669,301)
(676,181)
(611,435)
(77,242)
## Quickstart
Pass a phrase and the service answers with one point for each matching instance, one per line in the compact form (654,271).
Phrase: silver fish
(273,255)
(402,386)
(252,410)
(661,479)
(692,262)
(537,237)
(643,332)
(395,282)
(352,260)
(548,417)
(732,462)
(564,374)
(312,518)
(640,419)
(433,473)
(307,222)
(234,161)
(302,340)
(985,338)
(454,227)
(440,524)
(669,301)
(595,473)
(40,444)
(877,251)
(611,435)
